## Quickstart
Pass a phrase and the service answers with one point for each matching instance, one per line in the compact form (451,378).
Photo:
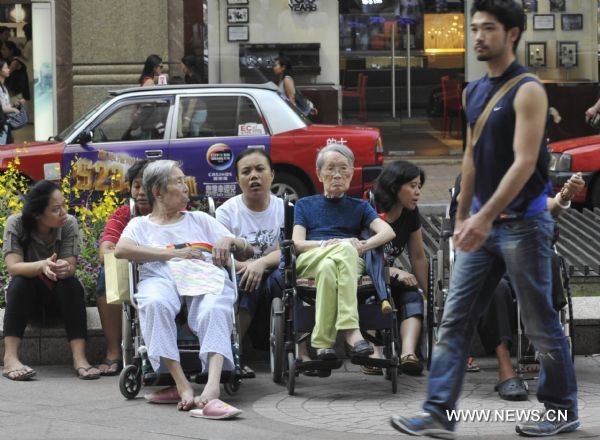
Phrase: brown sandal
(411,365)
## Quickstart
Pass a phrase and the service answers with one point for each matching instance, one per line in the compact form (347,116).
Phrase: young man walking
(509,229)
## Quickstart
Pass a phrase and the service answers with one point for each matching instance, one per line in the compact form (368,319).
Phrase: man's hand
(404,277)
(251,275)
(221,251)
(470,234)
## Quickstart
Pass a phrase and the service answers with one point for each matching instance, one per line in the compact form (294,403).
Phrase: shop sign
(302,5)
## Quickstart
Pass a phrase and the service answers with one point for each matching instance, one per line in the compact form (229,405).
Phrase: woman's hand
(221,252)
(251,275)
(187,253)
(404,277)
(49,268)
(63,269)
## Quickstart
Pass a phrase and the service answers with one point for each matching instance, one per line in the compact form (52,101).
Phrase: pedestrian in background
(152,68)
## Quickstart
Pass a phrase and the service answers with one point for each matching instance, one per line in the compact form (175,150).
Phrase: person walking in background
(505,172)
(27,56)
(40,250)
(283,69)
(152,68)
(192,70)
(7,107)
(18,81)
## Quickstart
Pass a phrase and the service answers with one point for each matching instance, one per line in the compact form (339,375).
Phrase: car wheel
(286,183)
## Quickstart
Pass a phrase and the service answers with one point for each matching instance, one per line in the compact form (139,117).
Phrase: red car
(202,126)
(573,155)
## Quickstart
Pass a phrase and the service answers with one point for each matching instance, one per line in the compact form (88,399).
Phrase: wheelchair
(293,318)
(138,371)
(443,263)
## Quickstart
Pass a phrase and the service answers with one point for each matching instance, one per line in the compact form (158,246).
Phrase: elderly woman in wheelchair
(397,192)
(161,240)
(326,235)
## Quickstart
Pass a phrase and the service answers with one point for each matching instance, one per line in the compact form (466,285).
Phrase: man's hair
(508,12)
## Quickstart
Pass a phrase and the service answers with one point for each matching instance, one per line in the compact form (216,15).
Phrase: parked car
(573,155)
(204,127)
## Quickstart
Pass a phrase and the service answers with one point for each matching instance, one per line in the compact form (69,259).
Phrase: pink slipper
(216,409)
(168,395)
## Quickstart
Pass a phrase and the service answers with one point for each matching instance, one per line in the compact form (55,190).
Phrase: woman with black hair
(18,81)
(397,192)
(192,70)
(152,68)
(40,250)
(283,69)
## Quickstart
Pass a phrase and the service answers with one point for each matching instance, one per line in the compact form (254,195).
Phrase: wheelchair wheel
(232,387)
(276,340)
(392,373)
(291,377)
(130,381)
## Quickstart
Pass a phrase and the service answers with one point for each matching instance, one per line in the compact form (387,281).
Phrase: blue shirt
(324,218)
(493,154)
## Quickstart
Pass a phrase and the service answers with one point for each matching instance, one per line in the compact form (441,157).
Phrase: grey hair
(156,175)
(336,148)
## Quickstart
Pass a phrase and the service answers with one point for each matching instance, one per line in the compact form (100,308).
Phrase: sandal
(411,365)
(514,388)
(472,367)
(20,374)
(80,372)
(216,409)
(247,372)
(371,371)
(109,363)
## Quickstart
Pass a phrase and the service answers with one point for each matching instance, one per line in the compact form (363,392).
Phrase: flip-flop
(29,373)
(247,372)
(86,376)
(109,363)
(168,395)
(472,367)
(371,371)
(216,409)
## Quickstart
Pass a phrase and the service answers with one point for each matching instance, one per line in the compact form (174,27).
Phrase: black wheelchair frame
(292,321)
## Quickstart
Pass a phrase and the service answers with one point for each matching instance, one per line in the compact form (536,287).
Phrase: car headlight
(560,162)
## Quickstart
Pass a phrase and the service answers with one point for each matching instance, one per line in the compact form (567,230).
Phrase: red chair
(452,100)
(361,94)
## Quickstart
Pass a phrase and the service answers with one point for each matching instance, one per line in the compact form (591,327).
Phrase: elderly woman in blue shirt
(326,235)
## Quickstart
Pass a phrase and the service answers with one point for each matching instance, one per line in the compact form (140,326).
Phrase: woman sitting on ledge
(40,250)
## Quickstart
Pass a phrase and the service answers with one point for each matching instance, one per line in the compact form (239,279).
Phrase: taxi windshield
(78,123)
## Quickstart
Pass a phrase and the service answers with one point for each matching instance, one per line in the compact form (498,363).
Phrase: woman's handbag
(116,274)
(17,120)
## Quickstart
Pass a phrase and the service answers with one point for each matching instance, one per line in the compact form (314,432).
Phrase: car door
(128,130)
(208,133)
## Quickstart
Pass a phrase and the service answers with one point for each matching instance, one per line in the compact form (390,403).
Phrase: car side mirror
(85,137)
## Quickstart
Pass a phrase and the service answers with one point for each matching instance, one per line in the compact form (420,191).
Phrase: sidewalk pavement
(346,406)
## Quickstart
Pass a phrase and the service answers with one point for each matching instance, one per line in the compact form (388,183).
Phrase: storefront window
(403,61)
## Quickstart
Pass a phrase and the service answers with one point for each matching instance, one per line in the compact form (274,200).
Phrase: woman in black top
(397,192)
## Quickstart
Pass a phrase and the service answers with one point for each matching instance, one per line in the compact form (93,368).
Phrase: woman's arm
(301,243)
(417,257)
(15,266)
(130,250)
(383,234)
(106,247)
(290,89)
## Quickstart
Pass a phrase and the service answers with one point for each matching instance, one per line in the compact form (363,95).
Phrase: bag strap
(483,117)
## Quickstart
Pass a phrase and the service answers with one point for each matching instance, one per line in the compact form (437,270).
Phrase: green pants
(336,270)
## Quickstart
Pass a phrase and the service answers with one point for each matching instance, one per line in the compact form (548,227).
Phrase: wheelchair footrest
(375,362)
(319,365)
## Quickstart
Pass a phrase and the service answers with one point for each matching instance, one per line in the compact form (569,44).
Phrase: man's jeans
(522,248)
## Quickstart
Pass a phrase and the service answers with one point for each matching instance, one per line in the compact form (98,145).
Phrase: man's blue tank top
(493,155)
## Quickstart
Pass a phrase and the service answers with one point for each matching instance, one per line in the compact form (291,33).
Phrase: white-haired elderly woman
(169,232)
(326,235)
